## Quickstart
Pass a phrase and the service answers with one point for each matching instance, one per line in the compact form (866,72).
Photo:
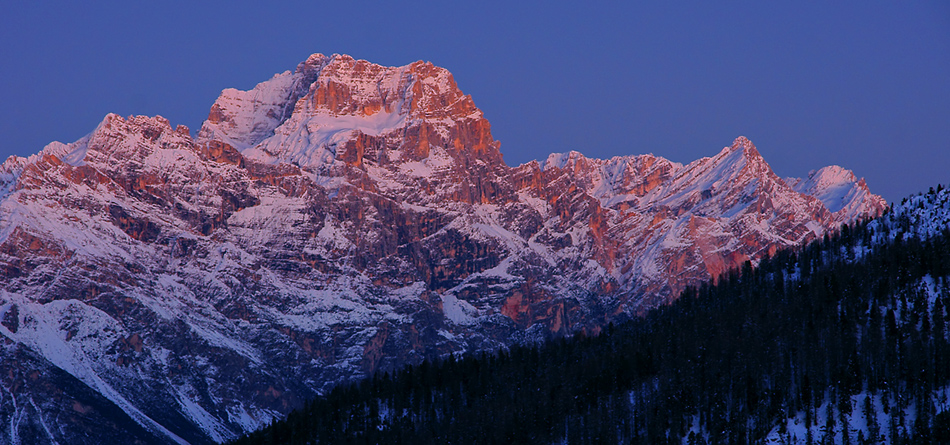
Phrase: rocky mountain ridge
(337,220)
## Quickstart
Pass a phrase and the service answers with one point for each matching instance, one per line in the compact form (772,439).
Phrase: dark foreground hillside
(844,341)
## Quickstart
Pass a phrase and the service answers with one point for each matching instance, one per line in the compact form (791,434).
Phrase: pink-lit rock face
(346,218)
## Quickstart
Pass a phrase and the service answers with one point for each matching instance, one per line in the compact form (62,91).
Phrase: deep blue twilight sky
(865,85)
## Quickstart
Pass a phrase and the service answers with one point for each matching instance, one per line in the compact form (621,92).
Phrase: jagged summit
(337,220)
(743,143)
(305,118)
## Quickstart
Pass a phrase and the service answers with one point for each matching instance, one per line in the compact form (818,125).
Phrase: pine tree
(828,433)
(870,416)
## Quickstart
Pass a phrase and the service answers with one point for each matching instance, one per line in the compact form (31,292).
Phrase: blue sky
(865,85)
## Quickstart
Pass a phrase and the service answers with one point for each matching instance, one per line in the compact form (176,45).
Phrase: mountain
(843,341)
(334,221)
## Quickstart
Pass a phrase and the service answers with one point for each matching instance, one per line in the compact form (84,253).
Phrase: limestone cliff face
(337,220)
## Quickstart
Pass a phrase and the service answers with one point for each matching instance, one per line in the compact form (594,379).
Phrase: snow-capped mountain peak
(243,119)
(840,191)
(306,118)
(337,220)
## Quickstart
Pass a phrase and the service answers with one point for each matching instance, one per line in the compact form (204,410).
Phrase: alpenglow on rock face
(338,220)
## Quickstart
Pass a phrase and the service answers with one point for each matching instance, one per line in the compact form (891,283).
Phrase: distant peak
(562,160)
(157,122)
(742,141)
(745,145)
(832,173)
(314,62)
(839,190)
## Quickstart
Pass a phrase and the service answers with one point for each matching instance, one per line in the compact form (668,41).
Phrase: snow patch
(458,311)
